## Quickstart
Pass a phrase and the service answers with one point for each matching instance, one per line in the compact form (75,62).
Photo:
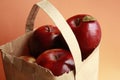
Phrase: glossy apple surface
(43,38)
(87,31)
(58,61)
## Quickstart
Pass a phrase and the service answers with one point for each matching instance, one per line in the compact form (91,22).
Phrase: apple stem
(48,28)
(56,57)
(77,21)
(88,18)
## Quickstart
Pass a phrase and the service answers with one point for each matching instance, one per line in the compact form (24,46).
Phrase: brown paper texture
(18,69)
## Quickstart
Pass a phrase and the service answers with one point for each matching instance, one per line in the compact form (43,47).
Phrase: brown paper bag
(17,69)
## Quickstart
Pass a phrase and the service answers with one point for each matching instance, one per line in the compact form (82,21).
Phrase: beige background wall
(13,14)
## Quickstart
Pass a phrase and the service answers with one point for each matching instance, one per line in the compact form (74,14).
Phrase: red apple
(87,31)
(58,61)
(60,42)
(29,59)
(43,38)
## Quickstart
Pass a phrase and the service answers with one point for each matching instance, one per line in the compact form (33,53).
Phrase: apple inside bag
(19,68)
